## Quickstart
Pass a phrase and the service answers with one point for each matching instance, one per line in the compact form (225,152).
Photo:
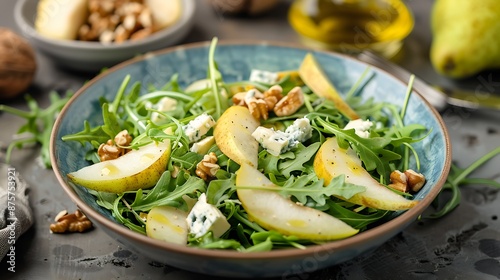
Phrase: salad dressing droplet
(109,170)
(297,223)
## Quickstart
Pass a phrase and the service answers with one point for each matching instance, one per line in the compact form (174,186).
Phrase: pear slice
(168,224)
(233,135)
(201,147)
(274,212)
(313,76)
(60,19)
(331,161)
(137,169)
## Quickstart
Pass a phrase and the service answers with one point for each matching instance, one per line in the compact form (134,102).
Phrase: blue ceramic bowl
(235,61)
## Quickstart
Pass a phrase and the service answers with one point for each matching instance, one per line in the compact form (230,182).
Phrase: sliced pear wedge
(60,19)
(274,212)
(331,161)
(233,135)
(313,76)
(137,169)
(168,224)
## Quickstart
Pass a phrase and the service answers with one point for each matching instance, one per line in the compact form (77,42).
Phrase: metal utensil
(438,97)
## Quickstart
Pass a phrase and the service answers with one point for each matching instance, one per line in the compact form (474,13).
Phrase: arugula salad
(278,160)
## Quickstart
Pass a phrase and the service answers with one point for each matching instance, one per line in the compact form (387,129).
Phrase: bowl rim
(365,237)
(186,18)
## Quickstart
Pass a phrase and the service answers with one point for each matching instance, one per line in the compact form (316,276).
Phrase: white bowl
(93,56)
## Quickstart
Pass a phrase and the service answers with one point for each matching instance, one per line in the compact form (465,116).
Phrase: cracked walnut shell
(17,64)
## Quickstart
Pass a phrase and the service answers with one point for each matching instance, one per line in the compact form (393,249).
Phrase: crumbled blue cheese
(274,141)
(298,132)
(277,142)
(198,127)
(361,127)
(265,77)
(165,104)
(205,217)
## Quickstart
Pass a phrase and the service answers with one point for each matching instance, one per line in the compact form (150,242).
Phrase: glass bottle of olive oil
(352,25)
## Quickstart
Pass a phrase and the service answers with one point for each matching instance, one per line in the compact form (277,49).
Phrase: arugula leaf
(173,84)
(188,160)
(302,155)
(156,134)
(118,212)
(407,130)
(340,188)
(241,233)
(208,241)
(95,135)
(305,186)
(241,216)
(39,124)
(274,238)
(115,105)
(220,190)
(370,109)
(105,199)
(359,84)
(352,218)
(270,162)
(458,177)
(264,246)
(163,194)
(215,78)
(309,186)
(111,125)
(134,93)
(409,90)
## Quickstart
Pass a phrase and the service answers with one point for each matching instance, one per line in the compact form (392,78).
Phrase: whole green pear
(466,37)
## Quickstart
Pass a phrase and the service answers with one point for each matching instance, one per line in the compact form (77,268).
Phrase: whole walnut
(17,64)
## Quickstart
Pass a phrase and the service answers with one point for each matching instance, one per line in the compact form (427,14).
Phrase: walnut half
(207,167)
(76,222)
(290,103)
(408,181)
(115,149)
(259,104)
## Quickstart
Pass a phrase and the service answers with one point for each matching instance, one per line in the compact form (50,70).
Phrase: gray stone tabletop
(463,245)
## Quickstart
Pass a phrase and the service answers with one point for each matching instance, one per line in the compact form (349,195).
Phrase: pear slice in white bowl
(60,19)
(137,169)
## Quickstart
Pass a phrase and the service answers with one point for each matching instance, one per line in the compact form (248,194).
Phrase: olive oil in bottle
(352,25)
